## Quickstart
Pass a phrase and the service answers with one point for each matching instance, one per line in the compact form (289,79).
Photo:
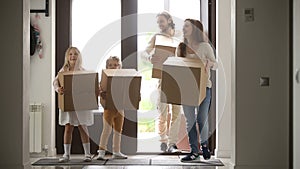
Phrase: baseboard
(258,167)
(223,153)
(16,166)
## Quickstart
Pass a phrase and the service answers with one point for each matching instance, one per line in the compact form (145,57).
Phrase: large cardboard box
(183,81)
(164,47)
(81,90)
(122,88)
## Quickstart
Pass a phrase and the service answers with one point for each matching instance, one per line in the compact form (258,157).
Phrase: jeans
(202,121)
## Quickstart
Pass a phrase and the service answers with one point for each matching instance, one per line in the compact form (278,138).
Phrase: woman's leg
(202,117)
(202,120)
(189,112)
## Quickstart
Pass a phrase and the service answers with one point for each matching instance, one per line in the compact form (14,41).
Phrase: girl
(112,119)
(73,62)
(195,46)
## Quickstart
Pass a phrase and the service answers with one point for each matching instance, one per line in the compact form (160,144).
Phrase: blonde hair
(78,65)
(116,58)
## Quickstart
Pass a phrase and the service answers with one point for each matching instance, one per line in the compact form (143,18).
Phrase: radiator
(35,128)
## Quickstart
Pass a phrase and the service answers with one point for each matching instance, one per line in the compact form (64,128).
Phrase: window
(96,31)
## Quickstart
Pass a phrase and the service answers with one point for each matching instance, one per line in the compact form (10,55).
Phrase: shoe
(119,155)
(205,152)
(190,157)
(173,149)
(87,158)
(64,159)
(101,155)
(163,147)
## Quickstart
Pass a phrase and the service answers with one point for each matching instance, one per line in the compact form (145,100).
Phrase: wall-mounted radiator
(35,128)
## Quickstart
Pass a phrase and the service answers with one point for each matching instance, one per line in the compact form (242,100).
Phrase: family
(194,45)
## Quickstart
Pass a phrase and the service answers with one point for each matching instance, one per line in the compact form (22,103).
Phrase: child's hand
(61,90)
(103,95)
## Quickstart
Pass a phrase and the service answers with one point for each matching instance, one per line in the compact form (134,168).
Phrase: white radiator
(35,128)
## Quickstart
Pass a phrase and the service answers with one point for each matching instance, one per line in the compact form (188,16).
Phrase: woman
(195,45)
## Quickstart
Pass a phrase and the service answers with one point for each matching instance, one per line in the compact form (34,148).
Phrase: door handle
(297,76)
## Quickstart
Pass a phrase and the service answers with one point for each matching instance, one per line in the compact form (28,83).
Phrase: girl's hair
(167,16)
(116,58)
(197,35)
(66,65)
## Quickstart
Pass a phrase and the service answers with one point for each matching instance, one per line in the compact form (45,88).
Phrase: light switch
(249,14)
(264,81)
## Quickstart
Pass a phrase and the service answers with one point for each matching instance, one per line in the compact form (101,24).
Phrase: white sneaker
(65,158)
(87,158)
(101,154)
(119,155)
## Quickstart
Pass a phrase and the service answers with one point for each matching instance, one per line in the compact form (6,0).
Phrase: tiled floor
(225,161)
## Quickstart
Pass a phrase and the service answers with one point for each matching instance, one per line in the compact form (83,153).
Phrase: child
(73,62)
(111,119)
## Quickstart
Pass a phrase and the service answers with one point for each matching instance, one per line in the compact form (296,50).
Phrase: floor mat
(54,162)
(154,161)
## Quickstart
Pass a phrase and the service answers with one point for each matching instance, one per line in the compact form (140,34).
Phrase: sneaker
(206,153)
(173,149)
(163,147)
(119,155)
(190,157)
(87,158)
(101,155)
(64,159)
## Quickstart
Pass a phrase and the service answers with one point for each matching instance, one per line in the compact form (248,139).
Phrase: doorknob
(297,76)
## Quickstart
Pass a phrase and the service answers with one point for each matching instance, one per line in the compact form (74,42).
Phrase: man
(168,140)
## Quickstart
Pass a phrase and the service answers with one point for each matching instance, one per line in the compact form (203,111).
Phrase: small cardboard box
(81,90)
(122,88)
(184,81)
(164,47)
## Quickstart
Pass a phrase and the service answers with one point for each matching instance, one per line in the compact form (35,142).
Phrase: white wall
(261,114)
(14,71)
(42,72)
(223,21)
(296,85)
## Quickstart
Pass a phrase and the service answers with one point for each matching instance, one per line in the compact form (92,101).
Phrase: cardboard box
(122,88)
(164,47)
(183,81)
(81,90)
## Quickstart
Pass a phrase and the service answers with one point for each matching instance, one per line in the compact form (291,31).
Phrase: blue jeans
(202,121)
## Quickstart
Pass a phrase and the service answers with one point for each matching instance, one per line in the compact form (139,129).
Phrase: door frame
(128,51)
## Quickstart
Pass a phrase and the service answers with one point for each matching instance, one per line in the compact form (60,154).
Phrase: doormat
(155,161)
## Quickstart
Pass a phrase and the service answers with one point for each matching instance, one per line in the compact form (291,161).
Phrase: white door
(296,80)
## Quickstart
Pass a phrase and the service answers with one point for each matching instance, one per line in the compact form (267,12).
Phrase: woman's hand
(61,90)
(208,65)
(103,94)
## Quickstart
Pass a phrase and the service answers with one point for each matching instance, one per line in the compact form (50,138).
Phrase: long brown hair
(197,34)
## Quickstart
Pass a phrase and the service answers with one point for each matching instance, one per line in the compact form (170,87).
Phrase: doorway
(144,125)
